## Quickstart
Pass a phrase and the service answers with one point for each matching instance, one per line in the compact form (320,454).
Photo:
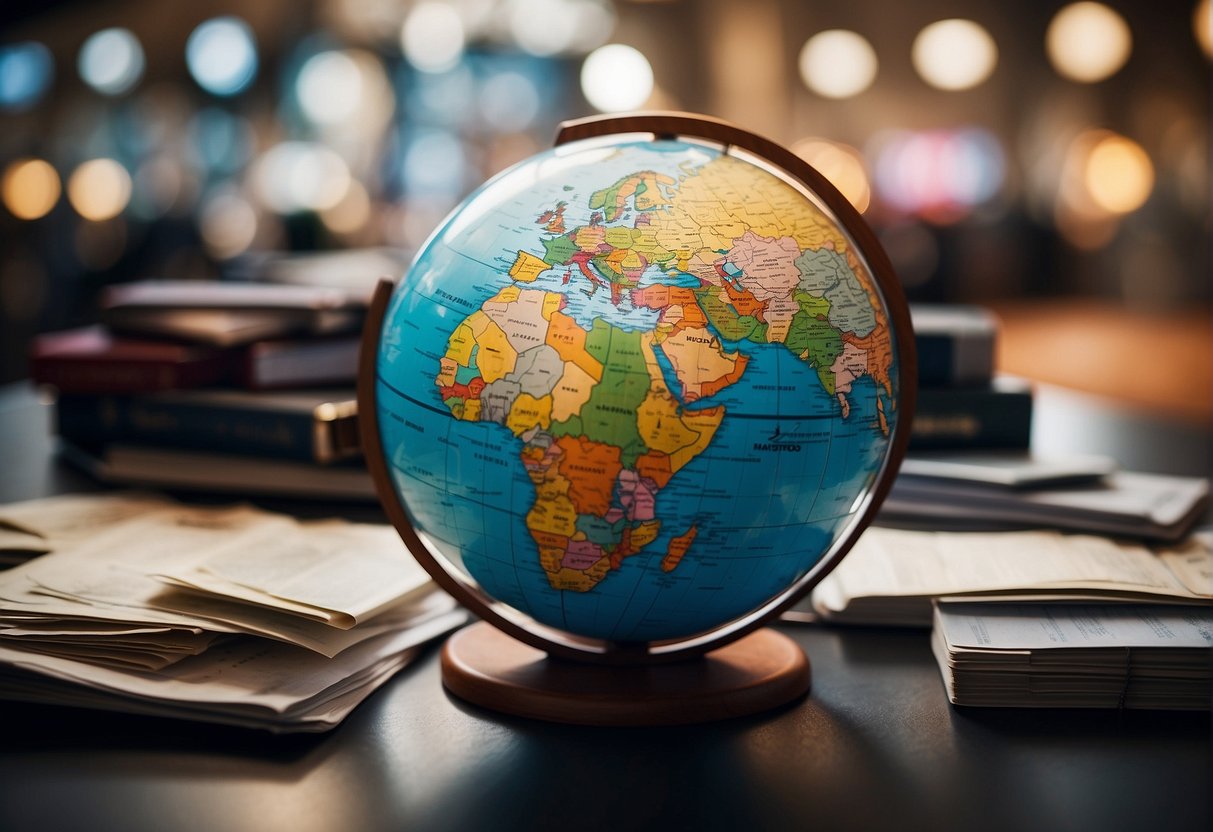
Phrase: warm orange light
(351,214)
(30,188)
(840,164)
(99,189)
(1088,42)
(1202,26)
(1118,174)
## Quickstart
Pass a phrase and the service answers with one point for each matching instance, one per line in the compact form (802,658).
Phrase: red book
(91,360)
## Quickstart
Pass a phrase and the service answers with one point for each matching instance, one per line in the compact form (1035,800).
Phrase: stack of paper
(228,614)
(983,493)
(36,527)
(891,576)
(1081,656)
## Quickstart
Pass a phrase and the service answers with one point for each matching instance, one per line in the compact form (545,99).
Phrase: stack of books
(222,386)
(225,614)
(969,466)
(962,404)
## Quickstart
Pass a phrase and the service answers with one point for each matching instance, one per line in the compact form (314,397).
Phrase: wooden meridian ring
(565,645)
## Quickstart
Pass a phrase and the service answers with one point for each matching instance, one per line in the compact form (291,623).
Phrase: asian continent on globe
(635,390)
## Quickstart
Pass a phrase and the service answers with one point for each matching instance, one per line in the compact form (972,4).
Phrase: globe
(636,388)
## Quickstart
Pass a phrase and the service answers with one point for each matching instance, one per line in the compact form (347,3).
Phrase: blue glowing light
(222,55)
(26,71)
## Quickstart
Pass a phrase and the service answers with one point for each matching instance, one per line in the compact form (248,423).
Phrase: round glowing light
(1202,26)
(329,87)
(954,54)
(837,63)
(26,71)
(1088,42)
(227,222)
(99,189)
(434,164)
(222,55)
(301,176)
(616,77)
(111,61)
(567,25)
(351,214)
(156,186)
(509,101)
(30,188)
(432,37)
(939,175)
(1118,174)
(840,164)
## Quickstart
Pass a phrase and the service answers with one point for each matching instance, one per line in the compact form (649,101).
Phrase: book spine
(71,375)
(979,417)
(102,420)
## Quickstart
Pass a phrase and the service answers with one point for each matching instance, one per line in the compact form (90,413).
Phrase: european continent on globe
(606,415)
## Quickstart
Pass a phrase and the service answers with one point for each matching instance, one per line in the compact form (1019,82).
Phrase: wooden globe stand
(756,673)
(514,665)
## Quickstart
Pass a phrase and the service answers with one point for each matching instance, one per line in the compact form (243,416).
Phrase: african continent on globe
(636,390)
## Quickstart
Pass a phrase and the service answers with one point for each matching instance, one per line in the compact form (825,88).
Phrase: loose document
(228,614)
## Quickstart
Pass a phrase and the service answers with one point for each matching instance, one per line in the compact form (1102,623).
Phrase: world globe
(638,388)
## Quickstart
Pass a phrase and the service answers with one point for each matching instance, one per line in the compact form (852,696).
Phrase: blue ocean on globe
(636,389)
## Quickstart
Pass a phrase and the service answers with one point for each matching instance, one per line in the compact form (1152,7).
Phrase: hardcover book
(92,360)
(227,314)
(955,344)
(314,426)
(995,415)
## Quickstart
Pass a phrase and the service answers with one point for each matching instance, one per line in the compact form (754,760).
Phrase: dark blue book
(994,415)
(314,426)
(955,344)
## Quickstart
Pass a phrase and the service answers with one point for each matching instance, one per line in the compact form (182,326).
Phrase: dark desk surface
(875,745)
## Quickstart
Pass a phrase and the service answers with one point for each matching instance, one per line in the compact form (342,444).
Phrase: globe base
(756,673)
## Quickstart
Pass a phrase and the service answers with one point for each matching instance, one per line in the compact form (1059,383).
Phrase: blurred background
(1048,159)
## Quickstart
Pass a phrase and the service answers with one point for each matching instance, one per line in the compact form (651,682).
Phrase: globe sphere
(638,389)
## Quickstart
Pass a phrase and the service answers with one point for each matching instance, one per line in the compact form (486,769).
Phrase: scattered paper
(229,614)
(891,575)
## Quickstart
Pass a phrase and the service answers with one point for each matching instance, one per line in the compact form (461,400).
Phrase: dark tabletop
(875,745)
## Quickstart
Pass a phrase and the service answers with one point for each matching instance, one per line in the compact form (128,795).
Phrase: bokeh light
(1202,26)
(432,37)
(954,54)
(219,142)
(616,77)
(838,63)
(329,87)
(351,214)
(1088,42)
(509,101)
(1118,174)
(222,55)
(30,188)
(99,189)
(554,27)
(300,176)
(939,175)
(157,186)
(434,164)
(842,165)
(111,61)
(26,72)
(227,222)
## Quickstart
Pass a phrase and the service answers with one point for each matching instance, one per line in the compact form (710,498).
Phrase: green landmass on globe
(608,415)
